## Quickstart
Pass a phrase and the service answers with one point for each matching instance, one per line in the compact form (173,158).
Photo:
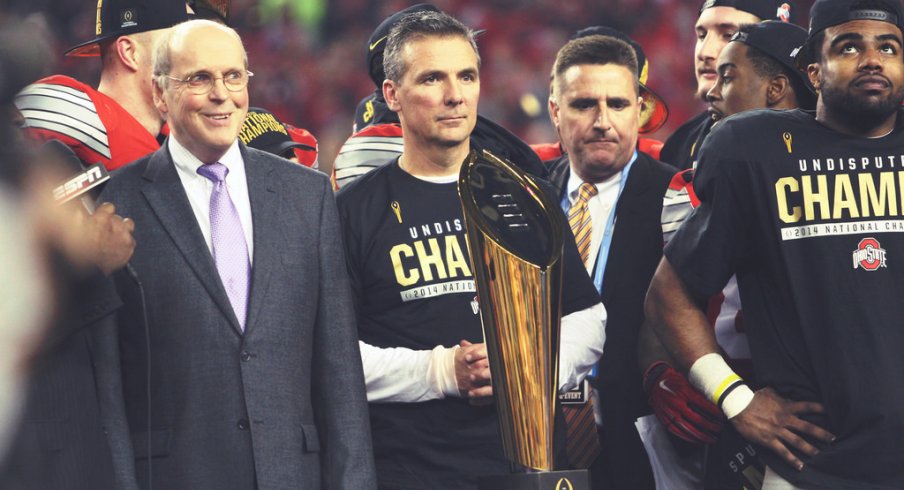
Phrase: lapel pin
(397,210)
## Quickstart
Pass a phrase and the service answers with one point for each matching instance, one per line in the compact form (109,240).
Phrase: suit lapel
(559,172)
(627,209)
(168,201)
(262,190)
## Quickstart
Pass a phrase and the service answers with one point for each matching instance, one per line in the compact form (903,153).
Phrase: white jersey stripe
(81,120)
(64,110)
(375,145)
(73,132)
(63,107)
(58,92)
(346,176)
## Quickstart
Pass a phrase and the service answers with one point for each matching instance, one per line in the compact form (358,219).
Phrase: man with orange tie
(613,197)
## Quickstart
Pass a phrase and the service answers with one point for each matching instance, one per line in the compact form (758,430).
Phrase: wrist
(654,372)
(712,376)
(441,372)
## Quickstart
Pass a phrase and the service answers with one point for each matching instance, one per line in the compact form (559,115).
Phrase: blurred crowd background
(308,56)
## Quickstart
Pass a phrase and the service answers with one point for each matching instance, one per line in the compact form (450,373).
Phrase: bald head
(174,40)
(201,86)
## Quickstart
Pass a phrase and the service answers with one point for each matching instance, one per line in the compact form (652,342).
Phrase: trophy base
(546,480)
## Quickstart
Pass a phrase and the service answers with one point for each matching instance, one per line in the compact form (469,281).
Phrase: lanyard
(602,257)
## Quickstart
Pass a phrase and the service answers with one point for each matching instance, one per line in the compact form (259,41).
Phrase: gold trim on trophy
(515,240)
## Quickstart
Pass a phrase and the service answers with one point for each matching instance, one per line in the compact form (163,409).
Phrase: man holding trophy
(426,367)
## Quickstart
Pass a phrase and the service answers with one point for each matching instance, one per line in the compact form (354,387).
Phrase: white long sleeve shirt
(399,374)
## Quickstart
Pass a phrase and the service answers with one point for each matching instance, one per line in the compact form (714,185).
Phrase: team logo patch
(783,13)
(869,255)
(127,19)
(564,484)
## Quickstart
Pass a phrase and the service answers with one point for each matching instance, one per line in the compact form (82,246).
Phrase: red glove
(685,412)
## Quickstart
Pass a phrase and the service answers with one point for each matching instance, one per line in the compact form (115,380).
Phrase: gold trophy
(515,239)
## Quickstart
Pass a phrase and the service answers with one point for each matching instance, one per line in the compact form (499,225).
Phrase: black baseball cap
(217,10)
(764,9)
(778,40)
(828,13)
(264,131)
(122,17)
(376,45)
(654,112)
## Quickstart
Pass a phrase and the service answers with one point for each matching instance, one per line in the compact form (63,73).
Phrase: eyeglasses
(202,83)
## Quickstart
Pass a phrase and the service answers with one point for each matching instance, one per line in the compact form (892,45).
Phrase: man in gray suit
(247,373)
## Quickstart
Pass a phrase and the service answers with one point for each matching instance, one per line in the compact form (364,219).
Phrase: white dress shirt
(601,206)
(199,188)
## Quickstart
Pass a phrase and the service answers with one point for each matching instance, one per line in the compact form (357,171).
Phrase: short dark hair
(766,66)
(417,25)
(596,50)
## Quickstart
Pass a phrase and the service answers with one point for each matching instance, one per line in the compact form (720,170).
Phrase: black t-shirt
(411,276)
(683,146)
(811,221)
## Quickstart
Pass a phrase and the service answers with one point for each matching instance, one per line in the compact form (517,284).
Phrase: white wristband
(441,371)
(735,402)
(714,378)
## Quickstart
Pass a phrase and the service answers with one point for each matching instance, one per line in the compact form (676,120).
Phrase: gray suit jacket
(281,405)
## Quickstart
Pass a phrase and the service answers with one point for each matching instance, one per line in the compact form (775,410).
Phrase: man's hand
(472,372)
(772,421)
(111,237)
(684,411)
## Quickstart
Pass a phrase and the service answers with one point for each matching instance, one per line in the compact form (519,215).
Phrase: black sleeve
(706,250)
(357,221)
(578,291)
(89,297)
(351,240)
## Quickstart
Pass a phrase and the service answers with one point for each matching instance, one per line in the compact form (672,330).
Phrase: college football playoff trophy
(515,239)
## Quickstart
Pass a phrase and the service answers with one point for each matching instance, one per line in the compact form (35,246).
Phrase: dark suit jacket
(71,431)
(281,405)
(633,256)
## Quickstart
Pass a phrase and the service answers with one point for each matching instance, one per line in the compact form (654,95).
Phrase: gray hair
(418,25)
(163,51)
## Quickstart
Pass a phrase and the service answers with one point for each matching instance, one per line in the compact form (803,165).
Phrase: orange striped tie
(582,442)
(579,220)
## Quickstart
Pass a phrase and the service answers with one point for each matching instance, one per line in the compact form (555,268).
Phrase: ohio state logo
(869,255)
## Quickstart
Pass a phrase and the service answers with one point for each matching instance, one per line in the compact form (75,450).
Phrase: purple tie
(230,252)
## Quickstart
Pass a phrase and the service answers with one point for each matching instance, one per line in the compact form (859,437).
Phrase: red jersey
(552,151)
(94,125)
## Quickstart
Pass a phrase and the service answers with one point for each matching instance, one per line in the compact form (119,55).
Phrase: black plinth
(548,480)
